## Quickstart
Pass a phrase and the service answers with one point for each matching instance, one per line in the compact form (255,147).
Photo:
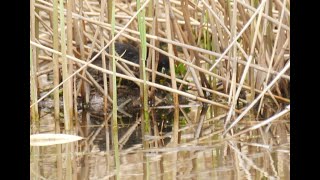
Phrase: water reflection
(259,154)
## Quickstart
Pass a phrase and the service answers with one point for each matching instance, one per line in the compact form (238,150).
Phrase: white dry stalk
(52,139)
(265,122)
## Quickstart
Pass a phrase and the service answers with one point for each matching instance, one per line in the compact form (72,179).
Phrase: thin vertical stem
(111,16)
(55,84)
(34,115)
(55,60)
(175,128)
(104,64)
(70,146)
(173,75)
(33,69)
(70,52)
(66,102)
(152,53)
(66,88)
(143,87)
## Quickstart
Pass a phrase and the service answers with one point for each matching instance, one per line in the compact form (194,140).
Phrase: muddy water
(260,154)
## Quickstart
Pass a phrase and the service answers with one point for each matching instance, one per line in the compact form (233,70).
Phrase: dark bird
(131,53)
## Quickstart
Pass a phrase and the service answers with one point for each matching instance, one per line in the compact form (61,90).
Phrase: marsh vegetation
(161,89)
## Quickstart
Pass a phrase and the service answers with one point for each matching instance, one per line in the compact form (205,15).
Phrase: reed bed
(232,58)
(260,43)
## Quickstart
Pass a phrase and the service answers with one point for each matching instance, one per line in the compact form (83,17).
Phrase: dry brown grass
(236,55)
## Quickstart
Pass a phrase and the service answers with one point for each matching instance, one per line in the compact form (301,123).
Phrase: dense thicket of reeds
(232,57)
(230,51)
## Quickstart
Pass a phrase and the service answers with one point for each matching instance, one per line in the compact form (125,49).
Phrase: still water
(259,154)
